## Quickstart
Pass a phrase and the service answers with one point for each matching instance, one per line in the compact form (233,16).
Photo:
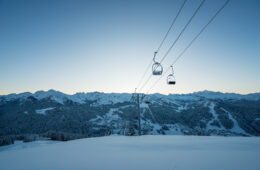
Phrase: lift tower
(138,98)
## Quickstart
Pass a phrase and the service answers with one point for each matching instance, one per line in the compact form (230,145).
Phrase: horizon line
(33,92)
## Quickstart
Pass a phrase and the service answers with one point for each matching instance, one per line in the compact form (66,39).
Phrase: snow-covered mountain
(99,114)
(112,98)
(81,98)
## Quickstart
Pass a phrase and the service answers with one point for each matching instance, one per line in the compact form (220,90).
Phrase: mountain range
(99,114)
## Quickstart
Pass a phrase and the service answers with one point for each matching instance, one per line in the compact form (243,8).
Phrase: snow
(154,123)
(215,117)
(112,98)
(214,95)
(144,105)
(14,96)
(108,117)
(43,111)
(174,129)
(183,97)
(156,128)
(18,144)
(81,98)
(151,113)
(138,153)
(98,118)
(205,104)
(54,95)
(181,108)
(218,95)
(236,127)
(111,116)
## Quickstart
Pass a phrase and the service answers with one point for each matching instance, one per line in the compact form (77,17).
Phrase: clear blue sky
(83,46)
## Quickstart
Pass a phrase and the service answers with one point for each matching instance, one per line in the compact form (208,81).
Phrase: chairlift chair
(171,78)
(157,68)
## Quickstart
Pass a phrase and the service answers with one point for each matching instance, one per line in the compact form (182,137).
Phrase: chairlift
(157,68)
(171,78)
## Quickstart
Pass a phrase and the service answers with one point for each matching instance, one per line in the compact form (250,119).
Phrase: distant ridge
(110,98)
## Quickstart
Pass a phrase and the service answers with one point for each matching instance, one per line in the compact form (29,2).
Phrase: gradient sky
(100,45)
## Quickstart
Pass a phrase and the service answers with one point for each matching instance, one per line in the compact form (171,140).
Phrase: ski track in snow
(43,111)
(146,106)
(155,125)
(215,117)
(174,129)
(236,127)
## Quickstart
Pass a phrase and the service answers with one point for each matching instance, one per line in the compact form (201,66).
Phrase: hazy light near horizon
(86,46)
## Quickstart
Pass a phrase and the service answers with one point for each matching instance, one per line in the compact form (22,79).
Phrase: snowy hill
(101,114)
(139,153)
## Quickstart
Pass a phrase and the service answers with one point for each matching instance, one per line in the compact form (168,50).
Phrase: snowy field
(135,153)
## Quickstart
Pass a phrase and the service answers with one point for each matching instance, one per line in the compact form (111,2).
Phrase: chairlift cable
(173,22)
(205,26)
(184,28)
(192,41)
(182,31)
(141,80)
(162,42)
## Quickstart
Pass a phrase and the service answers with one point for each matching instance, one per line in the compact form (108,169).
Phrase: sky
(99,45)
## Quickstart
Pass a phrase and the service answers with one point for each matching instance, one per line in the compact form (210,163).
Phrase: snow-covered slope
(43,111)
(99,114)
(138,153)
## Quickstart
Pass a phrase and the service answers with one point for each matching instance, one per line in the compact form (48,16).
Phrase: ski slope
(137,153)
